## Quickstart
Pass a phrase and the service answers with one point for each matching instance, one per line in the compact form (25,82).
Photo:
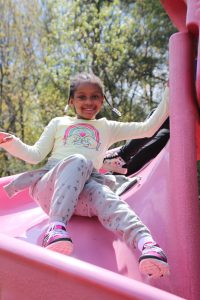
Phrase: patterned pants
(70,188)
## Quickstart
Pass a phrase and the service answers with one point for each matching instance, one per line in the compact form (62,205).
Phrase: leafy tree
(116,40)
(43,43)
(18,75)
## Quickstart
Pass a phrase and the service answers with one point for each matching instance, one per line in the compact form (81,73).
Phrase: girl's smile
(87,100)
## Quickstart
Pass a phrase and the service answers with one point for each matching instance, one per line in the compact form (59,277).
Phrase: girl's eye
(92,97)
(95,97)
(82,97)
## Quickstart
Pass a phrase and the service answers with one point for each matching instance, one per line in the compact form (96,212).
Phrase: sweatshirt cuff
(9,144)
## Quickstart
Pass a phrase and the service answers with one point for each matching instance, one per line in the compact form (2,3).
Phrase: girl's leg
(57,193)
(114,213)
(58,190)
(117,216)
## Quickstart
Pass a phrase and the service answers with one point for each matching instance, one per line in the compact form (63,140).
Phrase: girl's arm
(31,154)
(153,123)
(126,131)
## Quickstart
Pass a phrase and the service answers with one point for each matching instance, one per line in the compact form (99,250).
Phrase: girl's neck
(81,118)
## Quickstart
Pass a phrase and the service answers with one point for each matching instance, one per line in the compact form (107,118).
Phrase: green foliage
(44,42)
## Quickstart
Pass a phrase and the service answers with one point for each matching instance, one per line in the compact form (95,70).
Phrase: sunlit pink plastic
(193,24)
(102,266)
(166,199)
(185,15)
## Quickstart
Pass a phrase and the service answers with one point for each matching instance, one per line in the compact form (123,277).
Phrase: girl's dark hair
(84,78)
(88,78)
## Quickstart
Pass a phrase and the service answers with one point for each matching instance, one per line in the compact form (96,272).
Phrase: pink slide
(102,266)
(165,198)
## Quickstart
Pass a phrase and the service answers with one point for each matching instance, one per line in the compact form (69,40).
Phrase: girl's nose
(88,100)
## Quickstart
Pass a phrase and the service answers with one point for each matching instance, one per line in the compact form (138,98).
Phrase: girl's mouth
(89,110)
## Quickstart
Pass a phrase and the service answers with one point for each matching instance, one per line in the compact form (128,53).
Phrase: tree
(44,42)
(124,43)
(18,67)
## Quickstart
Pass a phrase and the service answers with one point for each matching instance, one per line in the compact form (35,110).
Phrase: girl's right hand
(5,137)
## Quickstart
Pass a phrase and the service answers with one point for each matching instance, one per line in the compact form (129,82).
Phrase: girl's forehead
(89,87)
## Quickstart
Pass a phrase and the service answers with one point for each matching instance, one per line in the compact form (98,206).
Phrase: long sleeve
(65,136)
(36,153)
(125,131)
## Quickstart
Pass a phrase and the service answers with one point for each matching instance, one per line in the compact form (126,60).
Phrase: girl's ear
(71,102)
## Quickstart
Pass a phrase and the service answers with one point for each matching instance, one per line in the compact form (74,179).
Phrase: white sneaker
(153,261)
(114,164)
(57,239)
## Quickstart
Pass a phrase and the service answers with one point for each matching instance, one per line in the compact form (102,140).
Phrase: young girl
(70,183)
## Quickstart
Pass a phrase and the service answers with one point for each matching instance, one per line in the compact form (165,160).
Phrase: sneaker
(153,261)
(57,239)
(115,164)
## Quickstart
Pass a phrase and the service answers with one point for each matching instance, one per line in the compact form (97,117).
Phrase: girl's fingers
(8,138)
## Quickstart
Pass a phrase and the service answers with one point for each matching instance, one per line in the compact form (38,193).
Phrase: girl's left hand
(5,137)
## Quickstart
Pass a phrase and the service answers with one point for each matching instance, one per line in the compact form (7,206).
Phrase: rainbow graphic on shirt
(82,134)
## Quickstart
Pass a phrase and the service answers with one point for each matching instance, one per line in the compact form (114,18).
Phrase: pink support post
(193,24)
(185,241)
(176,10)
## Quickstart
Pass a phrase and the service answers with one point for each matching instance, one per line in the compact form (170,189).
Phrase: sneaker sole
(63,247)
(154,268)
(115,169)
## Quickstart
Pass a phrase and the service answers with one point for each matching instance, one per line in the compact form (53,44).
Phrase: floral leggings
(71,188)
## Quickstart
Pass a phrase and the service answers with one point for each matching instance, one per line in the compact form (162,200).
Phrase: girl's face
(87,100)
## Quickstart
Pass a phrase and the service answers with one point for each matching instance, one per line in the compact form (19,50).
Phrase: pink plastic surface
(185,15)
(166,199)
(193,24)
(176,10)
(102,266)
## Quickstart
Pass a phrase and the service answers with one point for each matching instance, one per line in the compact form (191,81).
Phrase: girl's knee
(81,159)
(78,159)
(76,163)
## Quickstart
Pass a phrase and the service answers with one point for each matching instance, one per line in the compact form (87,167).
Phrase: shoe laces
(54,231)
(153,248)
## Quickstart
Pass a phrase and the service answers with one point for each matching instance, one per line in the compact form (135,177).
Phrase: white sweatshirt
(65,136)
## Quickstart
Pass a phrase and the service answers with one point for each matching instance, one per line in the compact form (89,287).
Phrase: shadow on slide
(102,266)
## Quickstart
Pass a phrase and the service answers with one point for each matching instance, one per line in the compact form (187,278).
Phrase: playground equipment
(166,199)
(102,266)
